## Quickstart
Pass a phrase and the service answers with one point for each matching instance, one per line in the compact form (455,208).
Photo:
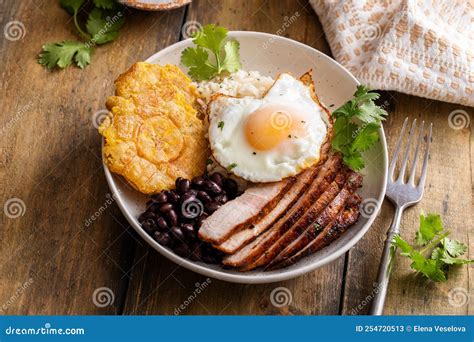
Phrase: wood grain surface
(53,260)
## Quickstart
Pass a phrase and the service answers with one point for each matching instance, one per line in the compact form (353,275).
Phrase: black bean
(149,226)
(182,250)
(222,198)
(177,233)
(188,231)
(142,217)
(204,197)
(188,197)
(198,181)
(231,188)
(173,197)
(211,207)
(217,178)
(182,185)
(172,217)
(212,188)
(161,224)
(162,238)
(166,207)
(160,198)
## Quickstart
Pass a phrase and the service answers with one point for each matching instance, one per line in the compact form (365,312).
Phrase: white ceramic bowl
(270,54)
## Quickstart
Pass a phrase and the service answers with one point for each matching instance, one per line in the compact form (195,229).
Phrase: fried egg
(271,138)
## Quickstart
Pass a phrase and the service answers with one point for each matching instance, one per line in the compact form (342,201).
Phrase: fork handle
(385,267)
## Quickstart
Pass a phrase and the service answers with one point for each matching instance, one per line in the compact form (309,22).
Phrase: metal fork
(402,195)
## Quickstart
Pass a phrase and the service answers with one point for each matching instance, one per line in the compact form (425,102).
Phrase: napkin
(423,48)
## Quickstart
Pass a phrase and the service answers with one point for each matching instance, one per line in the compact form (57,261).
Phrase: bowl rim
(246,278)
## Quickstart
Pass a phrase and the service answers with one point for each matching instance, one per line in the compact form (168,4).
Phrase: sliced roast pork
(301,225)
(252,251)
(346,218)
(328,215)
(303,180)
(240,238)
(246,209)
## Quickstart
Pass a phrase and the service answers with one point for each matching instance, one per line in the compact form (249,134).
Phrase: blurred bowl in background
(155,5)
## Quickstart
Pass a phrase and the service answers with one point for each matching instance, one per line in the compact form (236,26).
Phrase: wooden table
(51,261)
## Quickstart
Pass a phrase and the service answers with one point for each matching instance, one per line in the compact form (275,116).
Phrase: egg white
(228,115)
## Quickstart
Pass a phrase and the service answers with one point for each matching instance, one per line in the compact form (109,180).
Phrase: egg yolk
(269,126)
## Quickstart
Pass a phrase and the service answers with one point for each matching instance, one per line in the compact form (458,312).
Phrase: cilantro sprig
(351,136)
(225,53)
(104,19)
(435,252)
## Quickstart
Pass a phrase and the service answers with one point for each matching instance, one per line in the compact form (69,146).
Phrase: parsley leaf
(226,57)
(97,31)
(430,226)
(432,235)
(71,6)
(105,4)
(221,125)
(63,54)
(103,31)
(350,138)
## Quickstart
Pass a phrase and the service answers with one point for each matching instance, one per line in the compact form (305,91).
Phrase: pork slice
(242,237)
(346,218)
(253,204)
(310,214)
(239,239)
(252,251)
(329,214)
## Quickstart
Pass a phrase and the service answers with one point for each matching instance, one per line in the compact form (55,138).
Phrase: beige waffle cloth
(423,48)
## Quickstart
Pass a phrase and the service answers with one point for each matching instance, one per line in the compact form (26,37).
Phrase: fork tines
(412,173)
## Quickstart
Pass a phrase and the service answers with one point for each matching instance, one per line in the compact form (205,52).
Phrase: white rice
(240,84)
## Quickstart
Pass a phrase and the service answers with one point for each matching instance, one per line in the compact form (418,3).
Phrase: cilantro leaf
(211,37)
(366,137)
(445,251)
(225,55)
(351,138)
(102,30)
(231,60)
(71,6)
(354,160)
(454,247)
(196,61)
(63,54)
(105,4)
(430,226)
